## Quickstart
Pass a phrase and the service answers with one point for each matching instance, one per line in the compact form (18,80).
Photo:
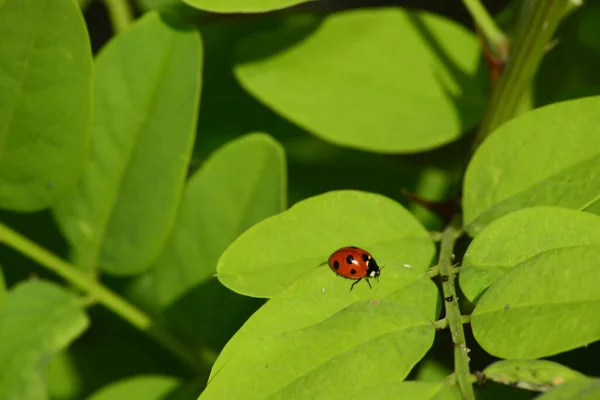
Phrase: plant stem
(97,291)
(461,359)
(120,14)
(492,33)
(538,22)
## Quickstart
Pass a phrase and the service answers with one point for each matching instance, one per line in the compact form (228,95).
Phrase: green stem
(537,25)
(493,35)
(98,292)
(120,14)
(461,359)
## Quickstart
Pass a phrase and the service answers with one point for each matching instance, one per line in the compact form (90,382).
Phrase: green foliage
(581,389)
(242,5)
(538,375)
(339,66)
(38,319)
(272,255)
(239,185)
(541,295)
(517,237)
(139,388)
(132,183)
(45,101)
(197,276)
(557,163)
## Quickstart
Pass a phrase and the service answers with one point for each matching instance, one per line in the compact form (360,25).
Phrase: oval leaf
(405,390)
(45,101)
(314,299)
(370,79)
(518,236)
(382,339)
(580,389)
(242,6)
(546,305)
(557,163)
(38,320)
(274,253)
(538,375)
(146,101)
(239,185)
(150,387)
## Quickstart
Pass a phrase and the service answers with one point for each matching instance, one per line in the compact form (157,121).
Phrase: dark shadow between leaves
(291,32)
(469,110)
(209,314)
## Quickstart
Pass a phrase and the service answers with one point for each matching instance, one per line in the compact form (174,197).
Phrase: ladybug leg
(369,283)
(351,287)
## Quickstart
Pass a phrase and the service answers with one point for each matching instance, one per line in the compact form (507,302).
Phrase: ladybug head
(373,269)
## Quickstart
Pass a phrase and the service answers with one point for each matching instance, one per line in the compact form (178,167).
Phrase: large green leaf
(146,387)
(38,320)
(242,6)
(306,338)
(383,80)
(146,100)
(548,156)
(538,375)
(239,185)
(580,389)
(274,253)
(302,305)
(405,390)
(45,101)
(546,305)
(516,237)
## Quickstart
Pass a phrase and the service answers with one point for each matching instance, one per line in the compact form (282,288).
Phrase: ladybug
(354,263)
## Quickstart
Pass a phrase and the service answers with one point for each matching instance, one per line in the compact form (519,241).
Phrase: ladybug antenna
(323,263)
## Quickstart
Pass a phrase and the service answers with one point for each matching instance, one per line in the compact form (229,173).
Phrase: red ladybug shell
(354,263)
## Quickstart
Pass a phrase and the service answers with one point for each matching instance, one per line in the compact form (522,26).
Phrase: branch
(493,35)
(455,320)
(539,20)
(98,292)
(120,14)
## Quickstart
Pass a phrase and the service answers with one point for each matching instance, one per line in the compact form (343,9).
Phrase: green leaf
(546,305)
(148,387)
(538,375)
(242,6)
(313,343)
(146,101)
(273,254)
(548,156)
(38,320)
(580,389)
(45,101)
(405,390)
(293,309)
(239,185)
(383,80)
(519,236)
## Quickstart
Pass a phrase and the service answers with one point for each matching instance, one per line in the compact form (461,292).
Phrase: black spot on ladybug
(353,247)
(365,257)
(336,264)
(445,278)
(350,259)
(352,271)
(449,298)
